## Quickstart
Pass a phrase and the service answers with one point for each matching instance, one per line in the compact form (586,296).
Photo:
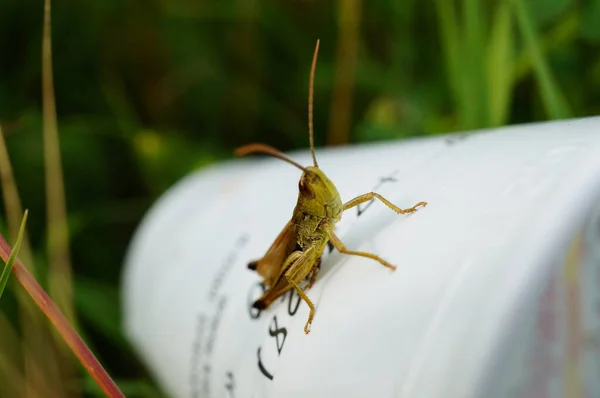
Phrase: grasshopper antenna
(310,105)
(266,149)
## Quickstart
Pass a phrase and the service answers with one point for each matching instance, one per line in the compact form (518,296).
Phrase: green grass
(6,271)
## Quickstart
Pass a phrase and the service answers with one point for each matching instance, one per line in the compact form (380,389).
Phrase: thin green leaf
(590,29)
(560,35)
(472,64)
(451,40)
(12,203)
(500,66)
(552,98)
(13,255)
(60,272)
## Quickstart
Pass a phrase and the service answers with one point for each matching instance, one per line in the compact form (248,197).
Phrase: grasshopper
(296,253)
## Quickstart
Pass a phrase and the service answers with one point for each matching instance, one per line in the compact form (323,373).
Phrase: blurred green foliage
(148,91)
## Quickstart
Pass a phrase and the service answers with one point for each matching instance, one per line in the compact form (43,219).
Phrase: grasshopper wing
(269,267)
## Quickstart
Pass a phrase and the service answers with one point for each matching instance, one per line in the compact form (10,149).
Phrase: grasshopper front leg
(337,243)
(368,196)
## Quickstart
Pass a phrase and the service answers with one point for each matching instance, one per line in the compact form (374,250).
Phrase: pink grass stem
(54,314)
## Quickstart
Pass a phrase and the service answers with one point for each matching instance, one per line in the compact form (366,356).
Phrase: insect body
(296,253)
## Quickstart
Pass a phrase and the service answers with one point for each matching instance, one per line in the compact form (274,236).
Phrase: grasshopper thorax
(318,195)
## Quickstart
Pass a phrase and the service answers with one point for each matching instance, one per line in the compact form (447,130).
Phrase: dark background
(147,91)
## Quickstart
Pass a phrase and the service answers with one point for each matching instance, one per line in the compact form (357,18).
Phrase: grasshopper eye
(305,189)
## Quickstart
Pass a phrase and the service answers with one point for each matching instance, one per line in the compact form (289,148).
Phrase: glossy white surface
(502,205)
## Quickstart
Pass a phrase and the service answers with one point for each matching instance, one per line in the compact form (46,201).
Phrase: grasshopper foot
(307,327)
(415,207)
(311,316)
(410,209)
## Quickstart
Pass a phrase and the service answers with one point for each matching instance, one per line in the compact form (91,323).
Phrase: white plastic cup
(497,291)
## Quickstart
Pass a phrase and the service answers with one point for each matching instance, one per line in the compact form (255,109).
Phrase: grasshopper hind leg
(312,277)
(262,303)
(279,286)
(268,298)
(311,306)
(297,267)
(259,304)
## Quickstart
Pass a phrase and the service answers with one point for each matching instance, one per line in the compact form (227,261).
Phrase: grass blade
(472,65)
(12,202)
(454,51)
(13,255)
(60,278)
(41,374)
(552,98)
(500,66)
(344,77)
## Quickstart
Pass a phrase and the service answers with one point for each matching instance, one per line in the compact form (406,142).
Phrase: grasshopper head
(316,187)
